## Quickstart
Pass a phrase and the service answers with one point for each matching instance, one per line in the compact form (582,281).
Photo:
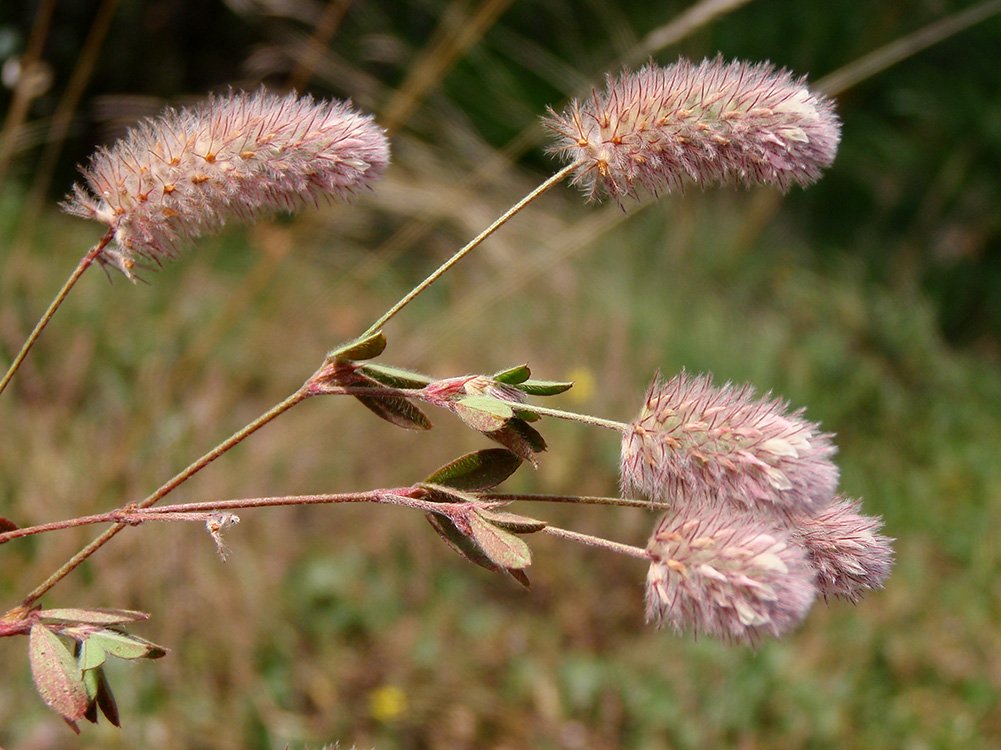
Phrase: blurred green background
(871,299)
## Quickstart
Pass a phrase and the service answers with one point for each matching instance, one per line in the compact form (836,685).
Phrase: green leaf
(395,377)
(513,522)
(480,470)
(503,548)
(544,387)
(125,645)
(56,673)
(513,376)
(95,616)
(92,655)
(362,348)
(483,413)
(396,410)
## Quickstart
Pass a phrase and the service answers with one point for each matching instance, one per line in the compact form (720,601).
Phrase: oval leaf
(513,376)
(126,646)
(365,347)
(56,674)
(479,470)
(544,387)
(395,377)
(95,616)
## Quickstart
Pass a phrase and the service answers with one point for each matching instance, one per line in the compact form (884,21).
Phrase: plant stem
(570,416)
(462,253)
(237,437)
(60,297)
(597,541)
(618,502)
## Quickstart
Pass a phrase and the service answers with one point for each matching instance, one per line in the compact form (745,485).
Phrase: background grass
(871,299)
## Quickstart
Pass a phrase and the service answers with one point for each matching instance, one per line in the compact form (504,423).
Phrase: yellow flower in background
(387,703)
(583,384)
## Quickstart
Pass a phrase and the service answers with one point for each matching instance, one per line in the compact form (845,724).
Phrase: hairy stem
(570,416)
(618,502)
(235,439)
(58,300)
(463,252)
(597,541)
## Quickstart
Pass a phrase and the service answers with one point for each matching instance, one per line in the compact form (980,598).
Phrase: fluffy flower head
(726,574)
(693,441)
(846,549)
(233,157)
(706,124)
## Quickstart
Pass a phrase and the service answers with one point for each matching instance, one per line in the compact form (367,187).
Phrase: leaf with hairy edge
(513,522)
(480,470)
(126,645)
(363,348)
(397,411)
(395,377)
(513,376)
(544,387)
(56,674)
(503,548)
(95,616)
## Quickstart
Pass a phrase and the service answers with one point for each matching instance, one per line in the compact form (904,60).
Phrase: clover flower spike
(709,123)
(694,441)
(237,156)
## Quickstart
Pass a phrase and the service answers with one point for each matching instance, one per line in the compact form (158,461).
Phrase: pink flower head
(236,156)
(726,574)
(846,549)
(693,440)
(707,124)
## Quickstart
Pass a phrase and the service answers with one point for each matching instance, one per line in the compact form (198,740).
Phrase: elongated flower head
(695,441)
(706,124)
(234,157)
(726,574)
(846,549)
